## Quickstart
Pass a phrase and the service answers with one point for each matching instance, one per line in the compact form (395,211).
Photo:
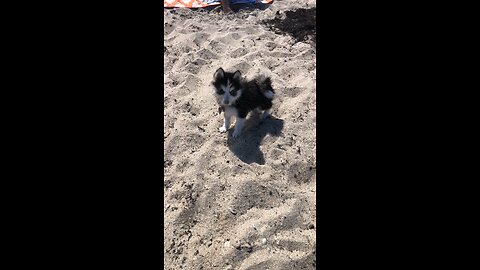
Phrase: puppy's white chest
(231,111)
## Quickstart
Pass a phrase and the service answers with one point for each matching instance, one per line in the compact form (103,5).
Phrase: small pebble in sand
(263,241)
(227,244)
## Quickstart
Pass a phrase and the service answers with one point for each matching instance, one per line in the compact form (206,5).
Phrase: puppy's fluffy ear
(219,74)
(237,75)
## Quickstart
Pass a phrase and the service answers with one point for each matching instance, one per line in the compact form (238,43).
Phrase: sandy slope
(246,204)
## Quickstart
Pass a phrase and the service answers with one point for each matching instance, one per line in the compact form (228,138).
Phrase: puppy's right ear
(237,75)
(219,74)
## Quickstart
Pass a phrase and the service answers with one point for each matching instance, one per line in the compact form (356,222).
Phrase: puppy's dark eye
(233,93)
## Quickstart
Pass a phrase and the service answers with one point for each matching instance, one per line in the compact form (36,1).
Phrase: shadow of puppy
(247,146)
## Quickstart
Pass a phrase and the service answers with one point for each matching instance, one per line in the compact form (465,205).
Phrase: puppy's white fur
(230,112)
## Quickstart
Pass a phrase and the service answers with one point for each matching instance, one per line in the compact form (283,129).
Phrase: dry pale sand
(250,203)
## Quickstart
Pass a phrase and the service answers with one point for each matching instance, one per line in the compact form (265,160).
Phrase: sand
(247,203)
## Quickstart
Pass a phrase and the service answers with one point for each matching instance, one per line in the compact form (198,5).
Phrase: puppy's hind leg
(266,113)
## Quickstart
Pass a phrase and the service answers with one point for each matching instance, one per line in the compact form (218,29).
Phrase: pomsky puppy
(237,97)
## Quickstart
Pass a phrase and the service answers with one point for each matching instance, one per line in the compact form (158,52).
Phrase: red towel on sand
(196,3)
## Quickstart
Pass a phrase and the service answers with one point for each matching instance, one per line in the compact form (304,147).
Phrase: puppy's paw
(223,129)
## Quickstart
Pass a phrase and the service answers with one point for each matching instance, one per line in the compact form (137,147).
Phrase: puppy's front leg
(238,127)
(226,124)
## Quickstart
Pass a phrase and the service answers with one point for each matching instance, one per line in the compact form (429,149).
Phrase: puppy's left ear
(237,75)
(219,74)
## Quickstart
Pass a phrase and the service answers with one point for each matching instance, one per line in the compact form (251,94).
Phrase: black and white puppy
(237,97)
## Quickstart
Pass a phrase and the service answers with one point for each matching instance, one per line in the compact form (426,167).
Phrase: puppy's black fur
(253,96)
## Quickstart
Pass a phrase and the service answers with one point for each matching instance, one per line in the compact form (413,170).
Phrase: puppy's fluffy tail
(265,85)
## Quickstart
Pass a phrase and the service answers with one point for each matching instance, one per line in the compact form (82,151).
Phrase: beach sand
(247,203)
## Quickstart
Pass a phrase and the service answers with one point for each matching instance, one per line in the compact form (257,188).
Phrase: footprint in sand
(239,53)
(200,39)
(207,54)
(292,92)
(243,66)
